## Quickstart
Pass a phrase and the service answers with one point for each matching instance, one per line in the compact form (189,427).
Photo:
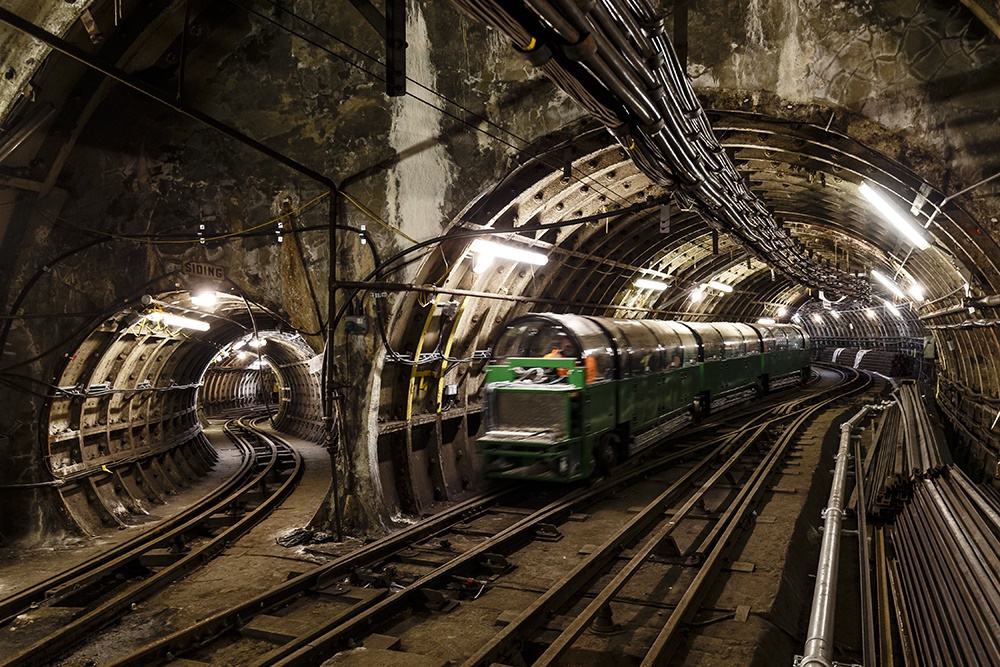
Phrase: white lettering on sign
(205,270)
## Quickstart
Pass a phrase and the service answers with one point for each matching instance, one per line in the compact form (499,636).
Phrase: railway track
(512,559)
(80,600)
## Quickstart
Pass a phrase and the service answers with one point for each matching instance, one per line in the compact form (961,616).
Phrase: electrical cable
(107,312)
(582,178)
(381,268)
(152,240)
(623,48)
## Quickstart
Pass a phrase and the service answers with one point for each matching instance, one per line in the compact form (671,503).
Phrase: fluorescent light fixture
(722,287)
(171,320)
(782,311)
(917,292)
(489,249)
(697,295)
(892,309)
(482,262)
(257,342)
(890,213)
(238,345)
(204,299)
(889,285)
(257,364)
(766,320)
(871,314)
(642,283)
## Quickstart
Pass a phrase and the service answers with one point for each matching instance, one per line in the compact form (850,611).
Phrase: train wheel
(604,454)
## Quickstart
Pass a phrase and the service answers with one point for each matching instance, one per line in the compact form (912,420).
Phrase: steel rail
(565,640)
(322,642)
(352,622)
(666,642)
(319,577)
(109,610)
(958,558)
(313,647)
(944,596)
(104,564)
(883,610)
(519,629)
(868,633)
(907,632)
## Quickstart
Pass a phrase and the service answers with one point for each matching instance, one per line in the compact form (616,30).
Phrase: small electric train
(568,394)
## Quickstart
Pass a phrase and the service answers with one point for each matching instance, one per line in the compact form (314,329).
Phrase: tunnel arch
(125,421)
(592,265)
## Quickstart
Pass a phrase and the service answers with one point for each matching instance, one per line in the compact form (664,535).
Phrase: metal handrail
(819,638)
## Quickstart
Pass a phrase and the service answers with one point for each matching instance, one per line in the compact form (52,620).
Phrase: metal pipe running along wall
(819,637)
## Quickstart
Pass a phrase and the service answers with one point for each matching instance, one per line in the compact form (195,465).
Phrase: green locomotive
(568,394)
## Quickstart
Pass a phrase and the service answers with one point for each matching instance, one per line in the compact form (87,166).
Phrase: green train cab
(569,395)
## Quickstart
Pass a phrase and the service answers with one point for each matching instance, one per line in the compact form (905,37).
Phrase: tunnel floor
(29,561)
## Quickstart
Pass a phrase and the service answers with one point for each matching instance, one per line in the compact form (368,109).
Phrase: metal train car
(569,394)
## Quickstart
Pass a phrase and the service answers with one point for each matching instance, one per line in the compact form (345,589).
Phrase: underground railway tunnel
(329,175)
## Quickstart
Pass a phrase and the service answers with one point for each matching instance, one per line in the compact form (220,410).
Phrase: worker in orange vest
(565,349)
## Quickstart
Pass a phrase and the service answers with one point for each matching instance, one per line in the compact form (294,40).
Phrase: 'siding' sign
(204,270)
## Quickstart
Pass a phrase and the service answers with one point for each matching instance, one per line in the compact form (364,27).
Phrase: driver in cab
(565,349)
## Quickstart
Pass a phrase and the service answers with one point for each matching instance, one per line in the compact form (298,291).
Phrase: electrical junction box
(356,325)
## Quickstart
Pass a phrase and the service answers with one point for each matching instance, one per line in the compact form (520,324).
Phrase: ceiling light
(642,283)
(871,314)
(917,292)
(697,295)
(482,262)
(891,286)
(835,314)
(766,320)
(257,342)
(238,345)
(722,287)
(489,249)
(817,319)
(242,355)
(205,299)
(782,311)
(171,320)
(796,318)
(892,309)
(890,213)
